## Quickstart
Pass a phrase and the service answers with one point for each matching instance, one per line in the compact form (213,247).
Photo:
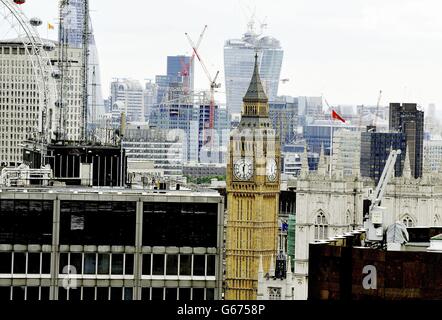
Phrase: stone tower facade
(253,186)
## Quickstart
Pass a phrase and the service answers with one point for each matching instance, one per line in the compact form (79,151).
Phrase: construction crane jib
(375,222)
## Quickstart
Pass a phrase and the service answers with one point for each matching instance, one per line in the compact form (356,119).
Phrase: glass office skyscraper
(239,58)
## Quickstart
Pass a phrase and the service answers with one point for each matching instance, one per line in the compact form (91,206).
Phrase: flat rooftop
(113,191)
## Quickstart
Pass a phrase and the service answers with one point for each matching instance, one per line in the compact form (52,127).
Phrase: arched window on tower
(321,227)
(409,223)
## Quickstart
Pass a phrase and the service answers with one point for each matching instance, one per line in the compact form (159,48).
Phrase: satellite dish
(397,233)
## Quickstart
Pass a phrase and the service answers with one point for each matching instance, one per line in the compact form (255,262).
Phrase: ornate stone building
(330,205)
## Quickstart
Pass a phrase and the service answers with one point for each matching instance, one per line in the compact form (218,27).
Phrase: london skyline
(345,50)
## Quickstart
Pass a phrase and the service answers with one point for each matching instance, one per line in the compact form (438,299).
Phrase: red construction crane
(213,84)
(186,67)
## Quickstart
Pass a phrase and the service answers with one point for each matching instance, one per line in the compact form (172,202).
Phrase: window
(157,293)
(117,265)
(321,227)
(184,294)
(90,261)
(129,264)
(274,293)
(146,264)
(5,262)
(19,262)
(158,265)
(128,293)
(210,265)
(145,293)
(198,265)
(89,293)
(33,263)
(172,265)
(210,294)
(116,293)
(408,221)
(102,293)
(198,294)
(103,264)
(171,294)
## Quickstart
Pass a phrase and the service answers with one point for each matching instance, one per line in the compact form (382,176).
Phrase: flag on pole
(336,116)
(50,26)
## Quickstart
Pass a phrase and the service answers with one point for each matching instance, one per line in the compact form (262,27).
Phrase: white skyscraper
(239,58)
(130,95)
(20,101)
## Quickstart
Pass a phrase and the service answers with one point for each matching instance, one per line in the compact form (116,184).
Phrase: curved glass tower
(239,58)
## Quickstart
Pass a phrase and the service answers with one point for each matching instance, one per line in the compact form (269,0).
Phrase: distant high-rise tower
(179,80)
(73,24)
(238,66)
(406,118)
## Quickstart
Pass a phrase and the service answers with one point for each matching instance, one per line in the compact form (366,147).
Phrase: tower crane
(377,108)
(374,219)
(213,84)
(186,67)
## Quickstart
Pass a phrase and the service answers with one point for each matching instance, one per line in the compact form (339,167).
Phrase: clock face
(271,170)
(243,169)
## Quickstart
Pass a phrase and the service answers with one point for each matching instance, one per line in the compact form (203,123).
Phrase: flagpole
(331,145)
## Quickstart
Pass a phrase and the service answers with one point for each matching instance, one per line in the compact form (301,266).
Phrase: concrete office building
(347,144)
(239,62)
(184,120)
(150,98)
(131,94)
(214,151)
(21,104)
(117,244)
(283,114)
(162,148)
(318,134)
(406,118)
(433,153)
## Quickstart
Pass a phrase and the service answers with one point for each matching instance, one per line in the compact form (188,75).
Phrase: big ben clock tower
(253,173)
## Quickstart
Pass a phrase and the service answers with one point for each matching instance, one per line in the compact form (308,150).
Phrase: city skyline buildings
(320,45)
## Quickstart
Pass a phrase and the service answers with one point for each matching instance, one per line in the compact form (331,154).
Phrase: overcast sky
(347,50)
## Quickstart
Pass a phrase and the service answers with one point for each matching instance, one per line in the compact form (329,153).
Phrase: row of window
(108,264)
(106,293)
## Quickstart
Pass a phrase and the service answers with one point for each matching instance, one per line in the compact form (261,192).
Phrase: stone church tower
(253,186)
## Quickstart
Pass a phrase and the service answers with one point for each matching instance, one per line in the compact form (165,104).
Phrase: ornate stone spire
(304,162)
(322,166)
(440,168)
(256,92)
(272,268)
(338,172)
(427,166)
(260,268)
(406,174)
(356,170)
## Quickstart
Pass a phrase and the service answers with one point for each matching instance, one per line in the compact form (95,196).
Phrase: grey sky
(346,49)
